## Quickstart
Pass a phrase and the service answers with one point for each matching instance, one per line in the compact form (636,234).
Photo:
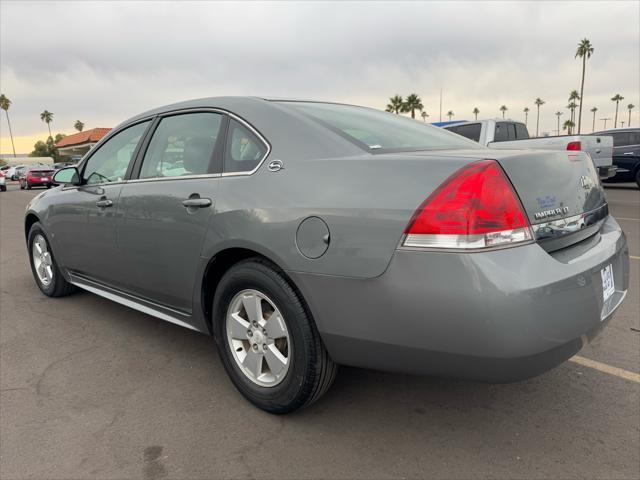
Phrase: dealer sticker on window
(607,282)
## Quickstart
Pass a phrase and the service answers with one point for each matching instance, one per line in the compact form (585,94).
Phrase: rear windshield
(378,131)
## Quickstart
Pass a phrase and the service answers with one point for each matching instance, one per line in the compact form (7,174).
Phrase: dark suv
(626,154)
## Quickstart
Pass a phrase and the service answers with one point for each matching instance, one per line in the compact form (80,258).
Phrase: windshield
(378,131)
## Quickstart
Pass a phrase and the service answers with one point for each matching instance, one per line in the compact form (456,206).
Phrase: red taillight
(574,146)
(474,208)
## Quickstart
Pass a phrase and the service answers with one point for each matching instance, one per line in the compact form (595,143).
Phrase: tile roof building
(81,142)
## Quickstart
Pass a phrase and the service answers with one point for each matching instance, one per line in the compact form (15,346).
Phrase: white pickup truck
(508,134)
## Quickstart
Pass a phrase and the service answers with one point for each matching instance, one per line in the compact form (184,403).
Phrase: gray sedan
(302,235)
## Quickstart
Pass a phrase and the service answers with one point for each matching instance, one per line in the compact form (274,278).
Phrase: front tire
(43,265)
(267,339)
(27,185)
(638,177)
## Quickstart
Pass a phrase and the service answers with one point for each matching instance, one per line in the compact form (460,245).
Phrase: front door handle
(104,203)
(628,153)
(197,202)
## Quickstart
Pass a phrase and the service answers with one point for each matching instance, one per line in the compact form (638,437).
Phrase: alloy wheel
(42,261)
(258,338)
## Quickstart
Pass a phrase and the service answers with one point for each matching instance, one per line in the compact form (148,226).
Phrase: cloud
(102,62)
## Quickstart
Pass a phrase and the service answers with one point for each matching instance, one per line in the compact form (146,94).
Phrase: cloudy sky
(103,62)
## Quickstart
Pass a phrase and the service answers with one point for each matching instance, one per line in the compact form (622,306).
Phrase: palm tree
(503,109)
(630,107)
(424,115)
(572,108)
(476,112)
(413,103)
(47,117)
(78,125)
(594,110)
(526,115)
(584,51)
(450,114)
(558,115)
(617,98)
(395,104)
(573,96)
(538,103)
(5,103)
(568,125)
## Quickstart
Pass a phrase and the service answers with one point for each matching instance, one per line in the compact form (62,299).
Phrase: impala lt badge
(551,213)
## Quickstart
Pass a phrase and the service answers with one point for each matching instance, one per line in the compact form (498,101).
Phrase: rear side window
(502,132)
(634,138)
(471,131)
(377,131)
(244,151)
(521,131)
(183,145)
(621,139)
(111,161)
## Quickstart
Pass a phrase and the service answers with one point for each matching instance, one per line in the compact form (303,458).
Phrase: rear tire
(50,280)
(638,178)
(309,369)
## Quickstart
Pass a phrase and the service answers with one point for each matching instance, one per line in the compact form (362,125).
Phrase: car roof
(617,130)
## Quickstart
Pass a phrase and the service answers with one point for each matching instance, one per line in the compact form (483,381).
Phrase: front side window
(377,131)
(183,145)
(110,162)
(244,150)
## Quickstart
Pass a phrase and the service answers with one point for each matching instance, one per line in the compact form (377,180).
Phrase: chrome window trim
(183,177)
(230,115)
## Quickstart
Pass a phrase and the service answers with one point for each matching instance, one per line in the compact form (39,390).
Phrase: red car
(36,177)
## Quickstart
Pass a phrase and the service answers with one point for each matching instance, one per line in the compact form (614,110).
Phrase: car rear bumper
(499,315)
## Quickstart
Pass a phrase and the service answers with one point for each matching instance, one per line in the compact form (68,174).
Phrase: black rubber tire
(311,371)
(638,178)
(59,287)
(27,186)
(3,188)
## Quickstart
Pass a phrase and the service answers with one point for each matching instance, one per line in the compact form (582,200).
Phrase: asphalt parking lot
(92,389)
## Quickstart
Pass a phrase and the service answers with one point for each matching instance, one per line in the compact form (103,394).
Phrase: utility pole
(605,122)
(440,105)
(622,123)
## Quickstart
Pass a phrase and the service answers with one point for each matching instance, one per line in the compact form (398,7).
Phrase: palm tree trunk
(593,127)
(584,61)
(558,126)
(629,122)
(14,147)
(526,117)
(615,121)
(49,127)
(413,113)
(538,120)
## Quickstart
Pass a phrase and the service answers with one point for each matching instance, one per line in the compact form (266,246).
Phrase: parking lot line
(629,219)
(634,258)
(603,367)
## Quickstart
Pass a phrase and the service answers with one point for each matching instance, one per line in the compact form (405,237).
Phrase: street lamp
(605,122)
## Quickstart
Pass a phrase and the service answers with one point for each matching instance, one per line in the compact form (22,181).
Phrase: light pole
(605,122)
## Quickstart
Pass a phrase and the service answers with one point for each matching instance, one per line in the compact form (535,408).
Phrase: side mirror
(67,176)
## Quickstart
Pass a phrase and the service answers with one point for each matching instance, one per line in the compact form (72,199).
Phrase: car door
(83,220)
(165,211)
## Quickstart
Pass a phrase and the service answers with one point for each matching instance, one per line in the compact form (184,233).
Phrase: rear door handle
(197,202)
(104,203)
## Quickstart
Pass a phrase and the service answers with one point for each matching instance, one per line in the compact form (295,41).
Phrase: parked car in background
(3,182)
(303,235)
(508,134)
(14,172)
(626,154)
(36,177)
